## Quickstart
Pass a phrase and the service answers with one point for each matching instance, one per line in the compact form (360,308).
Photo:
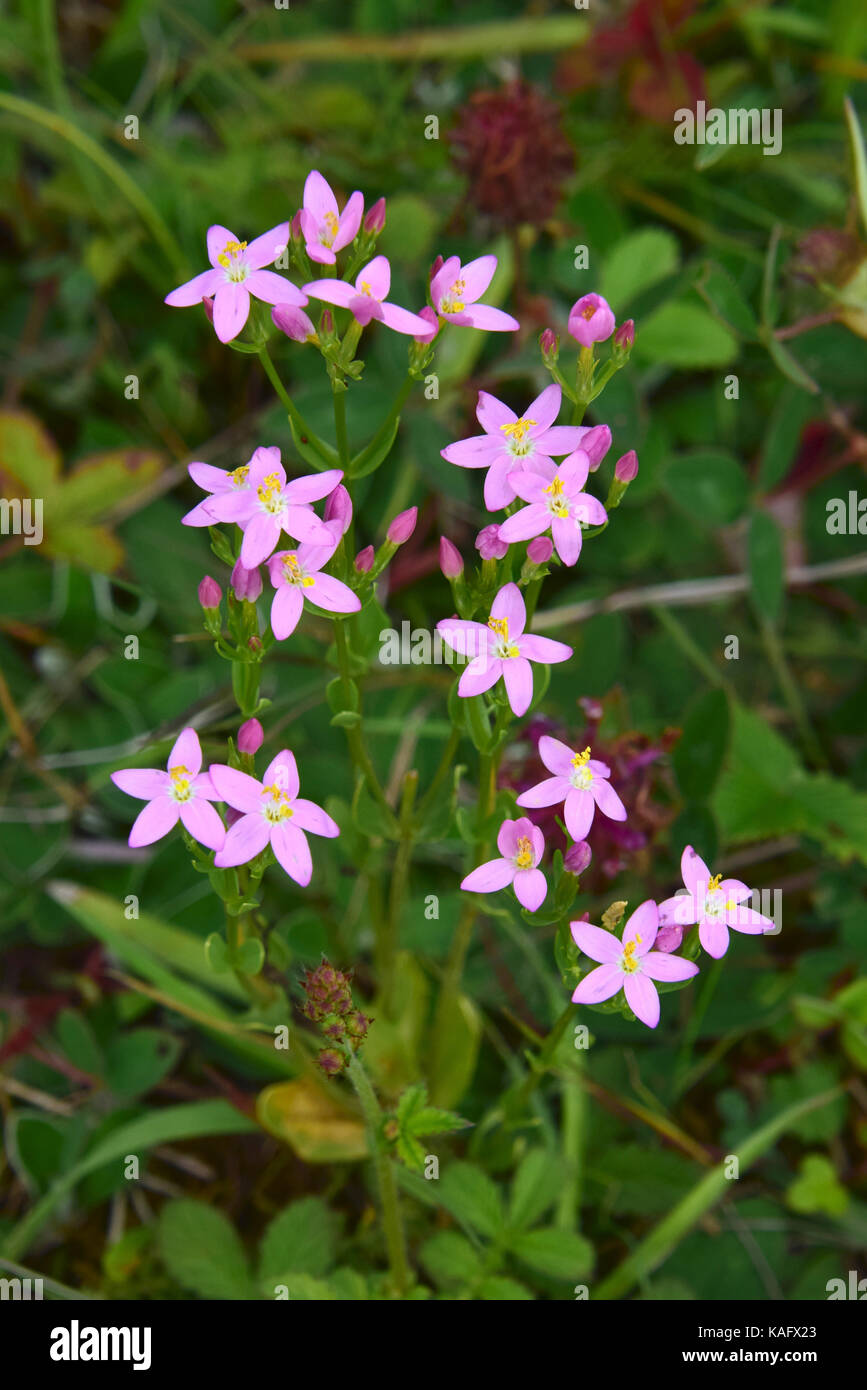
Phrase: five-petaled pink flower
(521,844)
(581,782)
(367,298)
(271,812)
(556,501)
(454,290)
(182,793)
(501,648)
(591,320)
(715,903)
(510,443)
(296,576)
(238,271)
(326,231)
(628,964)
(263,503)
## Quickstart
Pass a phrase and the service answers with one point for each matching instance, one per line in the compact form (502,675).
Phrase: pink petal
(260,537)
(561,439)
(483,316)
(482,672)
(209,478)
(231,310)
(678,911)
(490,877)
(244,840)
(402,321)
(444,278)
(265,250)
(528,522)
(286,611)
(236,506)
(187,752)
(588,510)
(217,239)
(195,290)
(596,943)
(531,888)
(236,788)
(282,771)
(660,966)
(508,835)
(518,676)
(203,823)
(644,923)
(543,649)
(477,275)
(642,998)
(745,919)
(204,787)
(267,285)
(714,937)
(529,485)
(498,491)
(509,604)
(578,812)
(548,793)
(601,983)
(734,889)
(332,595)
(492,414)
(310,817)
(331,291)
(556,756)
(154,821)
(144,782)
(349,221)
(696,874)
(293,852)
(301,522)
(544,409)
(567,539)
(464,637)
(376,275)
(573,471)
(607,799)
(476,452)
(200,515)
(313,486)
(318,196)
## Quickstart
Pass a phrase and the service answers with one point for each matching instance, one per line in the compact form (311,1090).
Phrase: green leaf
(203,1252)
(498,1289)
(766,563)
(78,1041)
(449,1258)
(685,335)
(369,459)
(708,484)
(725,300)
(301,1239)
(637,262)
(534,1188)
(137,1061)
(817,1188)
(859,160)
(794,408)
(560,1254)
(699,754)
(320,455)
(472,1198)
(452,1068)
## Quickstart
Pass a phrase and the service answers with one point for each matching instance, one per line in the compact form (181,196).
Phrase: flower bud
(577,858)
(339,508)
(595,440)
(451,563)
(540,550)
(403,526)
(364,559)
(626,468)
(208,306)
(250,736)
(293,322)
(246,584)
(436,267)
(326,323)
(375,219)
(549,343)
(591,320)
(331,1061)
(295,227)
(488,543)
(210,594)
(625,336)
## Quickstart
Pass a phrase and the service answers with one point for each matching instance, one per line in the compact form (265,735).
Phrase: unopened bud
(364,559)
(540,550)
(375,219)
(436,267)
(488,543)
(625,336)
(295,227)
(626,468)
(339,508)
(549,343)
(577,857)
(246,584)
(250,736)
(403,526)
(293,322)
(210,594)
(451,563)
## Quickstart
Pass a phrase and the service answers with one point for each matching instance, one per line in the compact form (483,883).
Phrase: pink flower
(182,793)
(489,545)
(432,322)
(521,844)
(237,273)
(402,527)
(501,648)
(509,443)
(326,231)
(272,813)
(263,503)
(626,467)
(296,575)
(454,290)
(715,903)
(293,322)
(628,964)
(579,781)
(557,503)
(590,320)
(366,300)
(246,584)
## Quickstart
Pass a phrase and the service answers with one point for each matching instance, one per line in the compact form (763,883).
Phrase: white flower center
(231,258)
(270,495)
(629,962)
(180,789)
(503,648)
(524,855)
(277,807)
(581,776)
(293,572)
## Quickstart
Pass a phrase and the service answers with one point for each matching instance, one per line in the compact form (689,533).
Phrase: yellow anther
(630,964)
(500,626)
(279,808)
(294,573)
(524,857)
(332,225)
(517,429)
(365,289)
(239,475)
(230,253)
(180,782)
(268,487)
(588,311)
(581,758)
(714,883)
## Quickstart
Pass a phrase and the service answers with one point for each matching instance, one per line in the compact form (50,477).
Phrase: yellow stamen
(332,225)
(500,627)
(588,311)
(630,964)
(239,475)
(714,883)
(293,572)
(230,253)
(517,429)
(269,486)
(559,506)
(365,289)
(581,758)
(524,857)
(279,809)
(180,782)
(452,302)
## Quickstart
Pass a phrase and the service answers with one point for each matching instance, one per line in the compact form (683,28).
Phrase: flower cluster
(328,1003)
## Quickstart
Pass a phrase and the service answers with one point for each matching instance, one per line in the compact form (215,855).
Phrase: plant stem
(399,883)
(572,1132)
(391,1217)
(291,408)
(357,750)
(339,396)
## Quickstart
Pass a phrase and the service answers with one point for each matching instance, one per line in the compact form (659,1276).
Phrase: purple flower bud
(668,939)
(488,543)
(577,857)
(436,267)
(250,736)
(451,563)
(293,322)
(549,343)
(430,317)
(295,227)
(625,336)
(403,526)
(364,559)
(375,219)
(626,468)
(246,584)
(339,508)
(595,440)
(326,321)
(208,306)
(591,320)
(210,593)
(540,550)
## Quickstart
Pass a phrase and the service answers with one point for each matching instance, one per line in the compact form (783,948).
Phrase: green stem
(791,693)
(291,408)
(354,738)
(387,424)
(391,1217)
(339,394)
(572,1133)
(399,884)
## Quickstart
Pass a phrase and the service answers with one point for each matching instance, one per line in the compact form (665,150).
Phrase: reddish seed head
(331,1061)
